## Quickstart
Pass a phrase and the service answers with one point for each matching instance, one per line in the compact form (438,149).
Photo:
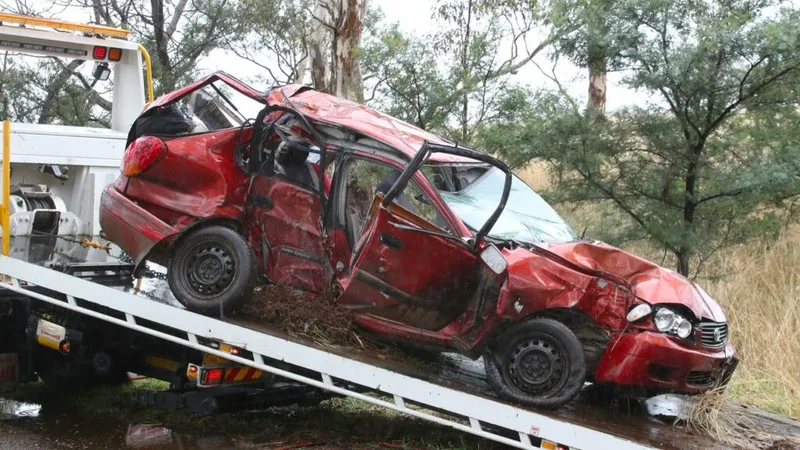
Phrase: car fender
(161,251)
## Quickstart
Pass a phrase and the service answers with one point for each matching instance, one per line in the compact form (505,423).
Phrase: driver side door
(406,266)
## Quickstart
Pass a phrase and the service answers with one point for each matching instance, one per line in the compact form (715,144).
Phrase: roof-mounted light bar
(99,30)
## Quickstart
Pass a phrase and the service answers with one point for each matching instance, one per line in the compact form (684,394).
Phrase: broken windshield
(474,192)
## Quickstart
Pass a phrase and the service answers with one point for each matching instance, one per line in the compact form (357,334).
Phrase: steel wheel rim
(537,366)
(209,268)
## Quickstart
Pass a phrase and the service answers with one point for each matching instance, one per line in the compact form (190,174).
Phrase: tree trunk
(689,205)
(318,48)
(166,80)
(596,57)
(346,80)
(465,69)
(683,261)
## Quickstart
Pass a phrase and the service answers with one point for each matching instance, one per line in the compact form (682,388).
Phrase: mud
(650,422)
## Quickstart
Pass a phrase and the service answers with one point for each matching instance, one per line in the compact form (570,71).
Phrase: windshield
(473,193)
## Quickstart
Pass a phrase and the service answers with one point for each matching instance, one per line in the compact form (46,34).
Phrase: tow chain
(147,273)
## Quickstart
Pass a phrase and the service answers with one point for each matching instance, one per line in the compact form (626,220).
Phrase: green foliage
(715,162)
(275,37)
(452,79)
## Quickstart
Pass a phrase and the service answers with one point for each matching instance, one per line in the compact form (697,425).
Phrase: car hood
(650,282)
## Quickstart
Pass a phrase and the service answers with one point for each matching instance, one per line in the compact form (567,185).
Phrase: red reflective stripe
(249,374)
(232,374)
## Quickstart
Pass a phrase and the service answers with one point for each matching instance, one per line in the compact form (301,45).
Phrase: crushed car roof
(401,135)
(326,108)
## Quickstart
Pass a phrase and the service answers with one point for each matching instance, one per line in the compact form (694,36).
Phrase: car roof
(333,110)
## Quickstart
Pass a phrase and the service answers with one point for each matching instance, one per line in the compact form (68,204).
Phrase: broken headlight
(668,321)
(638,312)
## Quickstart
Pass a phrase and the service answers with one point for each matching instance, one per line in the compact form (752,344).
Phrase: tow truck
(71,313)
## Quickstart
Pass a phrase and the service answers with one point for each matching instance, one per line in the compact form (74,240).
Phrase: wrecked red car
(424,241)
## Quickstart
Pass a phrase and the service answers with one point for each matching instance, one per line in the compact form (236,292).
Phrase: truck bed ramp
(485,417)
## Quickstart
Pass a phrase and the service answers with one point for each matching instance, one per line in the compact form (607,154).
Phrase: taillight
(99,52)
(143,153)
(212,376)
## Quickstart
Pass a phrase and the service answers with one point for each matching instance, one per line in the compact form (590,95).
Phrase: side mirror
(101,71)
(493,259)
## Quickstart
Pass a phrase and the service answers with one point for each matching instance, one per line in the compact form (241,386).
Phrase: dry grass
(760,292)
(305,316)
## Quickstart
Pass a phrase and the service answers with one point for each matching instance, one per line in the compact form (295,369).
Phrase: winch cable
(85,242)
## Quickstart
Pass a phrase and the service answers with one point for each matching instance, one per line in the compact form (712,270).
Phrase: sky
(413,16)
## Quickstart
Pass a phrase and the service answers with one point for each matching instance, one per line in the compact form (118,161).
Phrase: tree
(451,79)
(278,38)
(344,20)
(714,160)
(178,34)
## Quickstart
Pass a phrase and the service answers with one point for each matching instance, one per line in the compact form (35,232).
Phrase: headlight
(639,311)
(668,321)
(665,319)
(684,328)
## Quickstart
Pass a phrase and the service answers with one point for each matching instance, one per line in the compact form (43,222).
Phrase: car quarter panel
(197,178)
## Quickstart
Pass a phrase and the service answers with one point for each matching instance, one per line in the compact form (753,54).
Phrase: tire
(212,270)
(562,365)
(63,374)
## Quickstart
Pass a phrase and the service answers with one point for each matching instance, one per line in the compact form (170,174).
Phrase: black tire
(212,268)
(554,350)
(62,374)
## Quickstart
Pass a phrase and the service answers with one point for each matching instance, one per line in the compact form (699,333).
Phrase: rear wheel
(212,270)
(539,362)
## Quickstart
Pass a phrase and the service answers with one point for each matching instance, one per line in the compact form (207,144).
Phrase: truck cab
(58,172)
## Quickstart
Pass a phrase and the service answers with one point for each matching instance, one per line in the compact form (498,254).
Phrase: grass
(760,292)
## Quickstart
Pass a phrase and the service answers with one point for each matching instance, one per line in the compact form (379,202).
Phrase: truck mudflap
(9,372)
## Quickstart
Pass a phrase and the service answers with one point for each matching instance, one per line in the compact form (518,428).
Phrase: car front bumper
(657,362)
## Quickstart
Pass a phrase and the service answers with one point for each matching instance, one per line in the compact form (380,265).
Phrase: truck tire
(212,270)
(538,362)
(62,374)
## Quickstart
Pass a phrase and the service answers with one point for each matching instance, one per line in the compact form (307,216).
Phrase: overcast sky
(413,16)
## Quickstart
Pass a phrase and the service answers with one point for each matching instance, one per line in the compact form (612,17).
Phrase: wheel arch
(161,252)
(592,335)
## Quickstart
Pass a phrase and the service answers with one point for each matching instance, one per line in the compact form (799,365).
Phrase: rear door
(286,215)
(406,264)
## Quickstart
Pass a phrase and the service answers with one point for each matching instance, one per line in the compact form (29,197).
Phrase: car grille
(713,334)
(698,378)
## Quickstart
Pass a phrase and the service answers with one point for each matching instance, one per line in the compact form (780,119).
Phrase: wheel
(212,270)
(539,363)
(64,374)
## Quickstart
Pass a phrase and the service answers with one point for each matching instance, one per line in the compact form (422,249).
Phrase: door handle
(393,242)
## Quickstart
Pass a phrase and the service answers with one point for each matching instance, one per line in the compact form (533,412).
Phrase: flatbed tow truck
(72,315)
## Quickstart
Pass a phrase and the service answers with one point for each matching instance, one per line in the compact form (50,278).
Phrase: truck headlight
(668,321)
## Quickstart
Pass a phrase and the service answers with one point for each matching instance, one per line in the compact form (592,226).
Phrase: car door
(284,213)
(406,265)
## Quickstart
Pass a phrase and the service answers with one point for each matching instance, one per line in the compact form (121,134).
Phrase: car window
(218,107)
(365,178)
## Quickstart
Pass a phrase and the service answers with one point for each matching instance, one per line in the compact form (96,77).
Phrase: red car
(423,240)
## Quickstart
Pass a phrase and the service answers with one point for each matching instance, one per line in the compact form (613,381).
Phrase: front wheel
(539,363)
(212,270)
